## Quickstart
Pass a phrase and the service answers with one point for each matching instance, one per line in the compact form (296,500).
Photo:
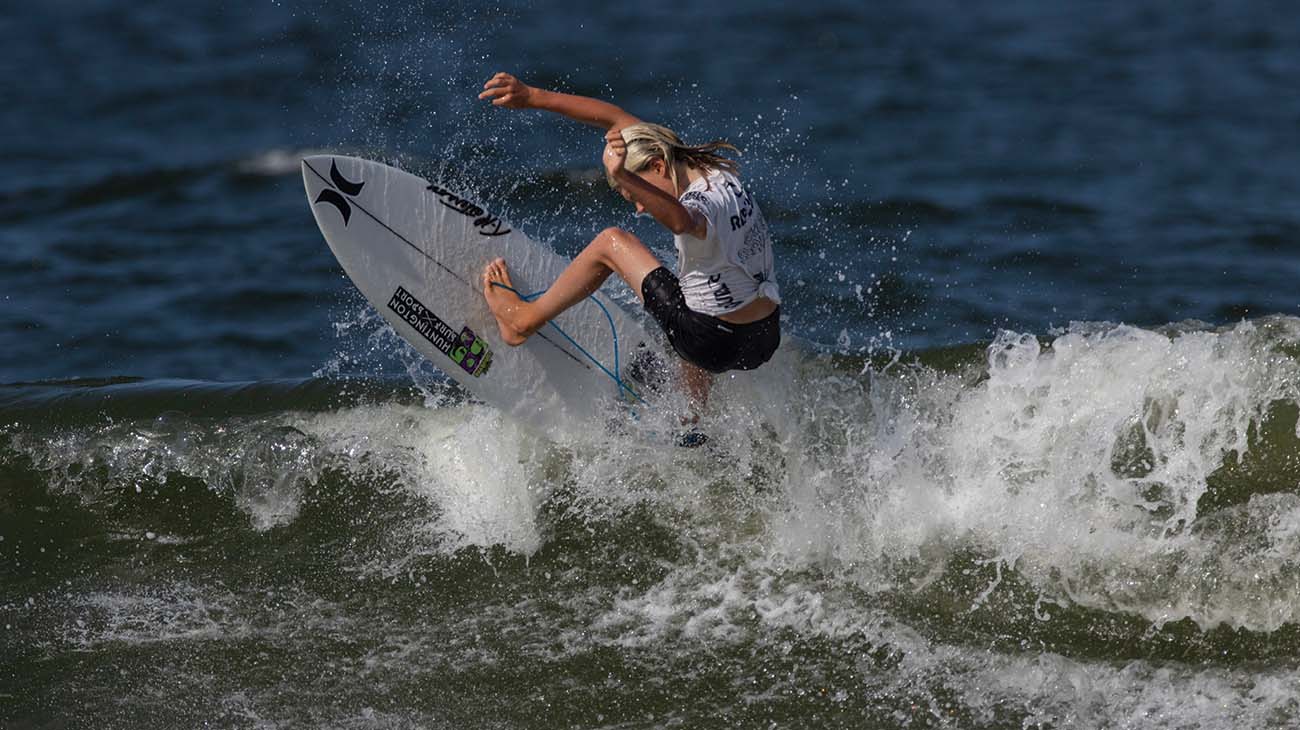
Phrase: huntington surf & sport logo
(464,348)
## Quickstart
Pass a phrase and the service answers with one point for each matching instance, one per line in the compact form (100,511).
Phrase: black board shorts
(704,340)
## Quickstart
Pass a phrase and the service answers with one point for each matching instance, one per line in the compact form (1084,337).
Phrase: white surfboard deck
(417,251)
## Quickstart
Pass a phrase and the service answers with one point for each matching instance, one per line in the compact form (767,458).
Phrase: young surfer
(720,312)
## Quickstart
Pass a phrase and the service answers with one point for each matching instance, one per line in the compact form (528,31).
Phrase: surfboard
(416,249)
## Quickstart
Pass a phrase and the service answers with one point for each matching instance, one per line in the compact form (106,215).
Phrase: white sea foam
(762,606)
(470,461)
(1080,465)
(275,163)
(181,612)
(263,463)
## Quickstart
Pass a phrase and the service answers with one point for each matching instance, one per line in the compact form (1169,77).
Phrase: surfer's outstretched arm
(507,91)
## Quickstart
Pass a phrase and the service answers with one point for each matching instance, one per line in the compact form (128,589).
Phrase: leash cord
(623,387)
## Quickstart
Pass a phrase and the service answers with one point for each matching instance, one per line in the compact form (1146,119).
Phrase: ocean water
(1030,459)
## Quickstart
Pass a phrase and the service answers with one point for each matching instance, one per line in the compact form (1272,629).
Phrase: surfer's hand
(615,152)
(507,91)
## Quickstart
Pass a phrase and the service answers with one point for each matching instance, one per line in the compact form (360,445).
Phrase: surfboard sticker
(486,223)
(335,197)
(464,348)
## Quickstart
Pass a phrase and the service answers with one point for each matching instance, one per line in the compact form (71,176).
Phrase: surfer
(721,311)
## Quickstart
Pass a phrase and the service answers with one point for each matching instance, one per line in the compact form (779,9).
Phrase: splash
(1085,464)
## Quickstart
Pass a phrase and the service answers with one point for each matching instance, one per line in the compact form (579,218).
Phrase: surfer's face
(628,198)
(656,173)
(639,208)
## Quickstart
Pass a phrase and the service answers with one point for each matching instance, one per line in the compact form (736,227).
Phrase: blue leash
(612,329)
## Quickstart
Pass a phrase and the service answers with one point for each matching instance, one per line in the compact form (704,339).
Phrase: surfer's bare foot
(505,303)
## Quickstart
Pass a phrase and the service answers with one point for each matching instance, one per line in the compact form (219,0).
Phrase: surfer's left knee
(615,245)
(615,236)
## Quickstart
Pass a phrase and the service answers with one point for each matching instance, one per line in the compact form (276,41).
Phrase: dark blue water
(256,509)
(1017,166)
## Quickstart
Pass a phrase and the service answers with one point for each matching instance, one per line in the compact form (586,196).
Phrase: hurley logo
(352,189)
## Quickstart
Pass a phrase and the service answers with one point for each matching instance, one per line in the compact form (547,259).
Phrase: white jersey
(732,265)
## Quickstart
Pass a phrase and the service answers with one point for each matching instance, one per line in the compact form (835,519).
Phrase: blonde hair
(647,142)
